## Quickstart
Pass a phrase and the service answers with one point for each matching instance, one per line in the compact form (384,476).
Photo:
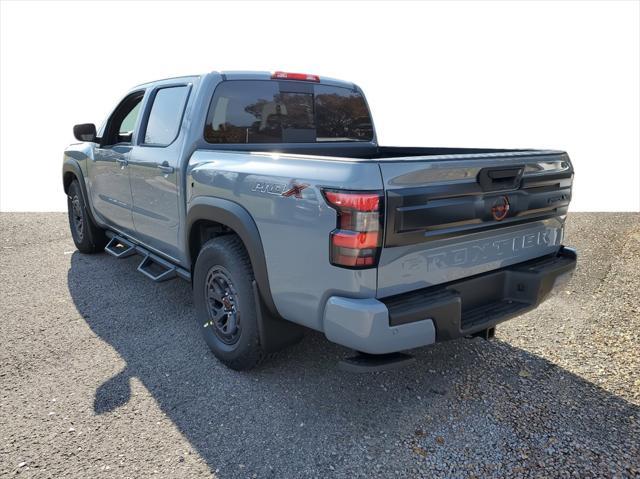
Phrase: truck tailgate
(454,216)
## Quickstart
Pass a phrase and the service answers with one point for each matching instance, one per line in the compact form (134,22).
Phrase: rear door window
(263,111)
(166,115)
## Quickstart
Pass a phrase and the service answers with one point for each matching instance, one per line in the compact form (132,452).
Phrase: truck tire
(225,304)
(87,236)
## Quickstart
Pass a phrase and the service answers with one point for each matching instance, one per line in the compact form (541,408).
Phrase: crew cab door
(108,172)
(154,169)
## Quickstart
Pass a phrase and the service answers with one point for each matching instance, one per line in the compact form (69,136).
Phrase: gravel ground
(104,374)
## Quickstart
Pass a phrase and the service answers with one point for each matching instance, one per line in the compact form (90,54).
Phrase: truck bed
(368,151)
(439,203)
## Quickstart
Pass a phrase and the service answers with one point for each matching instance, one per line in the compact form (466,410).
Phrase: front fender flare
(72,166)
(238,219)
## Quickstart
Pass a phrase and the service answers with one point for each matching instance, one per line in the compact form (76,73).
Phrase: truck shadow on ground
(298,415)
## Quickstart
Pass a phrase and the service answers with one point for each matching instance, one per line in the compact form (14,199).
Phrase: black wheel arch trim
(72,166)
(238,219)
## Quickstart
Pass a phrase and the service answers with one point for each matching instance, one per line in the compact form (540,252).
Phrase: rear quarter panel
(294,231)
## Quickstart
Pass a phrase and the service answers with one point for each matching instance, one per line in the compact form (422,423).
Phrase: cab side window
(123,120)
(129,122)
(166,115)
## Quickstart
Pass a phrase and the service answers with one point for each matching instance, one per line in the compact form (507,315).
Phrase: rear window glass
(263,111)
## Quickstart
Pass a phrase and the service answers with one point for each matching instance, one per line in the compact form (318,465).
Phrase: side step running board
(152,266)
(371,363)
(157,269)
(120,247)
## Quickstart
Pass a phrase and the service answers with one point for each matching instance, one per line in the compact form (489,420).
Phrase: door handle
(122,162)
(166,169)
(496,179)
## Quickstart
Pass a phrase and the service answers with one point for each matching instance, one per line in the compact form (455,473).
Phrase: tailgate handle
(492,179)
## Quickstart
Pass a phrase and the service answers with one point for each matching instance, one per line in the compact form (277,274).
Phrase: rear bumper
(443,312)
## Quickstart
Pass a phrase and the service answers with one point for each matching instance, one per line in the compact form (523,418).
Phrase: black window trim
(353,88)
(147,114)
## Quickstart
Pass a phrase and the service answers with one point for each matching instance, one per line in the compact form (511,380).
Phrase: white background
(478,74)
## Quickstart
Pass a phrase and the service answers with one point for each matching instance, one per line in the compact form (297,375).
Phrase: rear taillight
(295,76)
(356,241)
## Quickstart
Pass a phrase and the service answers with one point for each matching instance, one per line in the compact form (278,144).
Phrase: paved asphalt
(104,374)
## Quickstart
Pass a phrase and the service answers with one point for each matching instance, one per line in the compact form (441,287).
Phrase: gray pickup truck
(271,195)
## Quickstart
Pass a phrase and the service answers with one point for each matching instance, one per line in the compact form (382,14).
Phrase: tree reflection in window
(341,114)
(265,112)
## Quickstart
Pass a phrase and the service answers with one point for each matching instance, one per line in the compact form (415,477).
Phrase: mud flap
(275,333)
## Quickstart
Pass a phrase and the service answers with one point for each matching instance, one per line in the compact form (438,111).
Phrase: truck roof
(263,75)
(246,75)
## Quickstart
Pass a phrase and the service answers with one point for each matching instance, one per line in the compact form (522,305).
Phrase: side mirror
(85,132)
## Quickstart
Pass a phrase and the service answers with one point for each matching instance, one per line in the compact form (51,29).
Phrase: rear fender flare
(238,219)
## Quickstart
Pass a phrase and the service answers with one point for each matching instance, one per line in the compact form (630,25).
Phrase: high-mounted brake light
(357,239)
(295,76)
